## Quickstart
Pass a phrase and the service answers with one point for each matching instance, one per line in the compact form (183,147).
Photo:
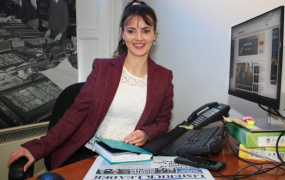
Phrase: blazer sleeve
(162,121)
(68,124)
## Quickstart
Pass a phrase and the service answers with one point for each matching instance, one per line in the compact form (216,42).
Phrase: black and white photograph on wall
(38,58)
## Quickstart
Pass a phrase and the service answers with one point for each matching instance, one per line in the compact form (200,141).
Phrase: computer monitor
(256,59)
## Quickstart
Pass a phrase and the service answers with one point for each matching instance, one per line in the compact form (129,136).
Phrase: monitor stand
(271,124)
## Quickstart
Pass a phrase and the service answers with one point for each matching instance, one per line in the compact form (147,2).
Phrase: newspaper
(161,167)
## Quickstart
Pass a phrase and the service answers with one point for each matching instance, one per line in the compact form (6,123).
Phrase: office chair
(63,102)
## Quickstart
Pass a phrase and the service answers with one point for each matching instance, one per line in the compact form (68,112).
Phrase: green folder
(121,151)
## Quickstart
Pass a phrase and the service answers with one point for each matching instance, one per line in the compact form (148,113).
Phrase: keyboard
(205,141)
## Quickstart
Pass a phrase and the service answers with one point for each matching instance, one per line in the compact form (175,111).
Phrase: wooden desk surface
(78,170)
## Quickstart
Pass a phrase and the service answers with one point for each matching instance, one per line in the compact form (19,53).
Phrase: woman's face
(138,36)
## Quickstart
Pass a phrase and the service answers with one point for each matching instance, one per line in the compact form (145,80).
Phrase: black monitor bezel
(269,102)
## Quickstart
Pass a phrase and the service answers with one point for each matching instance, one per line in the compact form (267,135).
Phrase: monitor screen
(256,58)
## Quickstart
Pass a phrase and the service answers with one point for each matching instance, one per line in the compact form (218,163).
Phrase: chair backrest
(63,102)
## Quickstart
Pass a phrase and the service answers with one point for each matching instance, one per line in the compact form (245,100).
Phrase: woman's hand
(47,34)
(58,37)
(138,138)
(19,152)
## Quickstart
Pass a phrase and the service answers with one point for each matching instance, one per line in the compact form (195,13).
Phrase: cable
(256,154)
(280,115)
(260,170)
(270,112)
(277,148)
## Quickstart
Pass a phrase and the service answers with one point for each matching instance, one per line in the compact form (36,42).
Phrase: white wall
(194,42)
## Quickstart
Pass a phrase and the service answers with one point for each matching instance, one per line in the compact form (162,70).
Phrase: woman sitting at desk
(126,98)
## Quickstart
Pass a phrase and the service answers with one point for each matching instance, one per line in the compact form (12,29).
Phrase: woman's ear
(155,34)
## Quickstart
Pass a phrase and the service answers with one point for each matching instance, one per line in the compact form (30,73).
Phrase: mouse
(50,176)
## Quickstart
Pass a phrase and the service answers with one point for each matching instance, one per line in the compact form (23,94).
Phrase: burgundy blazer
(82,119)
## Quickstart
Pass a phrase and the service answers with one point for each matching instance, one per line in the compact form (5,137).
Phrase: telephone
(169,143)
(206,114)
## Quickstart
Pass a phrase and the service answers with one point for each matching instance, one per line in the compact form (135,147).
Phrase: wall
(194,42)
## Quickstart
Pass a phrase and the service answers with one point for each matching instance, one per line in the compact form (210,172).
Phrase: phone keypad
(204,116)
(210,112)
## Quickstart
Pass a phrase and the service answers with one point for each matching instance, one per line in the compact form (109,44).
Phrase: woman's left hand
(138,138)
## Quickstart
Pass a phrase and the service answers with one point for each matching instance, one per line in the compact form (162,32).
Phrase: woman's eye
(130,31)
(146,31)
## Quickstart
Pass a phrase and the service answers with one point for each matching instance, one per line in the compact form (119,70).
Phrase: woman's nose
(139,36)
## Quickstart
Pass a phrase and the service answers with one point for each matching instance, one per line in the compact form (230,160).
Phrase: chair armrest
(16,170)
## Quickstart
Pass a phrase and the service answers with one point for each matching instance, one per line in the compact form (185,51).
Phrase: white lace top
(125,110)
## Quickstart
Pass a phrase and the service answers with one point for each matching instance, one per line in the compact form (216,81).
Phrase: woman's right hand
(19,152)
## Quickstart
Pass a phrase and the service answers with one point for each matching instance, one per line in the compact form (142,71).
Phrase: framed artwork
(37,50)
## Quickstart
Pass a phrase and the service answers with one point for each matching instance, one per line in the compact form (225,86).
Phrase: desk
(79,169)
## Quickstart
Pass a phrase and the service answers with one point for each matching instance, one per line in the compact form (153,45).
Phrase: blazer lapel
(112,83)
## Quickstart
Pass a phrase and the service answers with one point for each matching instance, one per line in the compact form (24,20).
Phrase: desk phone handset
(207,114)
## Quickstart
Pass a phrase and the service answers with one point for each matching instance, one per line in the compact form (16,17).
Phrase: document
(120,152)
(63,74)
(161,167)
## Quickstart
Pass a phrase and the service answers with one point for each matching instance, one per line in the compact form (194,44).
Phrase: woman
(127,98)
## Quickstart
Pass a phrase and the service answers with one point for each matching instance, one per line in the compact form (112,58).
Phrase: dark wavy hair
(140,9)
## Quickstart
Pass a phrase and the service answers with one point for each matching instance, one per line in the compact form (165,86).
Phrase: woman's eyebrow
(133,28)
(147,27)
(130,27)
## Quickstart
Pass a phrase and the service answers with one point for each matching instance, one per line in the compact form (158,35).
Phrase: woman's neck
(137,66)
